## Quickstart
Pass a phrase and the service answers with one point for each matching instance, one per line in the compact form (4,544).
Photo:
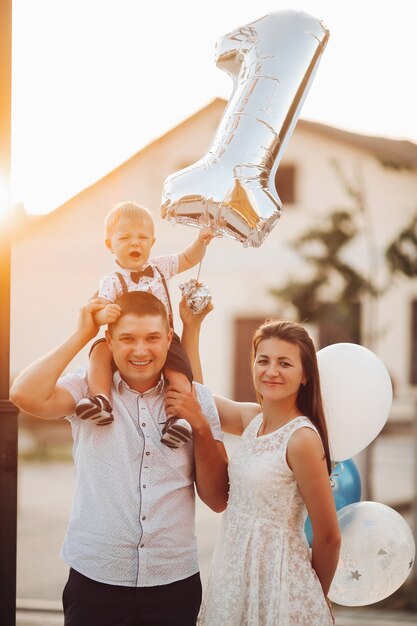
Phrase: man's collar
(156,390)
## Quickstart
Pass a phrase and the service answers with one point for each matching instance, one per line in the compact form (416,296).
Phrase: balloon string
(199,269)
(342,469)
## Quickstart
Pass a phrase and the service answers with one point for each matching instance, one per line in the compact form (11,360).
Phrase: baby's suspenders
(122,283)
(164,283)
(170,314)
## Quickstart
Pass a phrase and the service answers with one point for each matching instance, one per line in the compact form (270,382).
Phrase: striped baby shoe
(176,432)
(96,408)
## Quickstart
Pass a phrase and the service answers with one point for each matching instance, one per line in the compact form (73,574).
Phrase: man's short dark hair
(141,303)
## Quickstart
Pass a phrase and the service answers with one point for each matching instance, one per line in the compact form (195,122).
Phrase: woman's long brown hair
(309,398)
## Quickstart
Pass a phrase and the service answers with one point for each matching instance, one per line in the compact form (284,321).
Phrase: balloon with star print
(376,555)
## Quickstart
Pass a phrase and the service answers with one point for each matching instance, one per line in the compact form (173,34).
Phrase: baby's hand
(206,234)
(108,314)
(111,313)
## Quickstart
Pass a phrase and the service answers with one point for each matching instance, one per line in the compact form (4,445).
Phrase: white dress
(261,572)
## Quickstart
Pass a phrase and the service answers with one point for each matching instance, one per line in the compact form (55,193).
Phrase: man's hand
(87,327)
(185,404)
(189,318)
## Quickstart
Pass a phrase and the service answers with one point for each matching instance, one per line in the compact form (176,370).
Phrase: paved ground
(50,619)
(45,493)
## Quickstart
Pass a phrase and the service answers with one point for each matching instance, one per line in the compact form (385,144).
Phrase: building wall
(58,259)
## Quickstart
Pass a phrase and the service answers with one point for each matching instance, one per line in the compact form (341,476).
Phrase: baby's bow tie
(136,276)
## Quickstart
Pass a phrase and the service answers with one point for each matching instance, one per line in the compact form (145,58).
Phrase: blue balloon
(346,488)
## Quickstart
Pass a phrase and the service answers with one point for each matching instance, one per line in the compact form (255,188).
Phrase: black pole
(8,413)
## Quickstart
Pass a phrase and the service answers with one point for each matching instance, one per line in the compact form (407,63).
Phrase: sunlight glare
(83,110)
(4,197)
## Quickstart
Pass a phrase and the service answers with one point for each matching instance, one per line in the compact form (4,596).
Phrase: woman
(262,573)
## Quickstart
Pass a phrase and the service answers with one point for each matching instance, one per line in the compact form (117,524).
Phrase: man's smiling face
(140,345)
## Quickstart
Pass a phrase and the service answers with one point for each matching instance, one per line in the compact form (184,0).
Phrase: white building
(58,258)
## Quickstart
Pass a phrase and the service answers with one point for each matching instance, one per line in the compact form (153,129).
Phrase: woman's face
(277,370)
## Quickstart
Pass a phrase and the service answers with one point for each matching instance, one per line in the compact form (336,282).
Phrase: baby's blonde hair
(130,210)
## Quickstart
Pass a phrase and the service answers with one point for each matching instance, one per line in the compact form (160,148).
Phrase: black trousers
(90,603)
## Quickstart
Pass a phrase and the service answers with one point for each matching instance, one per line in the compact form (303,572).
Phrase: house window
(285,183)
(413,344)
(243,390)
(335,330)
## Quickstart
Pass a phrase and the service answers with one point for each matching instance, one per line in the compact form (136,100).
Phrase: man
(130,542)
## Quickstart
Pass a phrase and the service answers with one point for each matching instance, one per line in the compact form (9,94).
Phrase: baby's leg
(99,371)
(97,406)
(177,379)
(176,431)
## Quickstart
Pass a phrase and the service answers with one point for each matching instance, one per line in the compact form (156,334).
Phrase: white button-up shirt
(132,519)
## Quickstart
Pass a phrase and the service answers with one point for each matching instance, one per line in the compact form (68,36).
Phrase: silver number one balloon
(272,62)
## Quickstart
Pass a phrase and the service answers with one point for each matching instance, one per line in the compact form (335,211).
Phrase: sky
(94,81)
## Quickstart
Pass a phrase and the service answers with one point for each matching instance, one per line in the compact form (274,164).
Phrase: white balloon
(376,555)
(357,397)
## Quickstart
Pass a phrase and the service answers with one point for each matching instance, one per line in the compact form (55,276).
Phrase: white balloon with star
(376,556)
